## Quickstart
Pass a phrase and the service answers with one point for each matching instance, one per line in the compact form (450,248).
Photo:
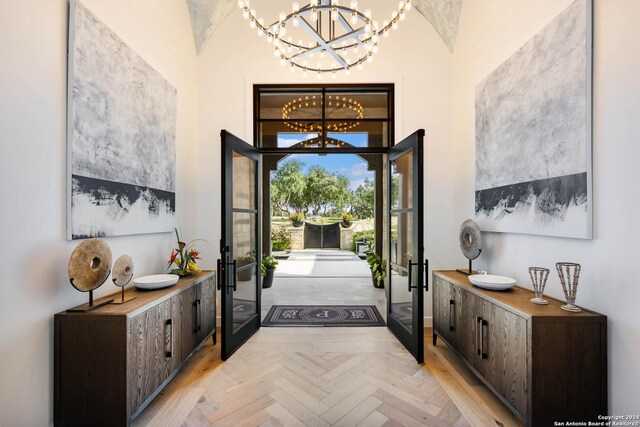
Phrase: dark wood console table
(544,363)
(110,363)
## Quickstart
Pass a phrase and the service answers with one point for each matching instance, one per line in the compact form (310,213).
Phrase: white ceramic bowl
(156,281)
(492,282)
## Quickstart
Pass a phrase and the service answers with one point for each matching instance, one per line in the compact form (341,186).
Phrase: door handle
(426,275)
(226,285)
(169,323)
(452,308)
(410,268)
(483,354)
(218,273)
(235,275)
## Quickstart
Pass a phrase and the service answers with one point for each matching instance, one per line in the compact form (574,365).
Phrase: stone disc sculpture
(470,239)
(122,272)
(90,265)
(121,275)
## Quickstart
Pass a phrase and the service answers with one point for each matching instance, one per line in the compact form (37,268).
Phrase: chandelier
(334,102)
(324,36)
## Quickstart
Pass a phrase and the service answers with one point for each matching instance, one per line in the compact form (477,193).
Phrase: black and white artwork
(533,134)
(121,136)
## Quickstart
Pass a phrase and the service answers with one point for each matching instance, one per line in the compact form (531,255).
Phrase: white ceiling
(206,16)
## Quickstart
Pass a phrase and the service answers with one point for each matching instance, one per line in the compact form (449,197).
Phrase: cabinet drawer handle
(477,336)
(199,313)
(169,323)
(194,316)
(452,316)
(483,354)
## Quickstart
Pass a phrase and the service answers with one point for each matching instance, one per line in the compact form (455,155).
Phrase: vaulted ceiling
(206,16)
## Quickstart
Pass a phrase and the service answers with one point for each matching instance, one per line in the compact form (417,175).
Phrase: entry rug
(323,315)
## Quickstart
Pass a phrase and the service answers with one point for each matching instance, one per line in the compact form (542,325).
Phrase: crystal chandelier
(324,36)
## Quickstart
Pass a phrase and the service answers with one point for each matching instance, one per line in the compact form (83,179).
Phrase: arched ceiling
(206,16)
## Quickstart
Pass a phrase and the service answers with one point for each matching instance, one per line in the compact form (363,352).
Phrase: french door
(238,268)
(407,266)
(239,279)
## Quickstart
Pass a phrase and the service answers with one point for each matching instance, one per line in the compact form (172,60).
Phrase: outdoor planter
(267,280)
(297,223)
(375,282)
(246,275)
(346,224)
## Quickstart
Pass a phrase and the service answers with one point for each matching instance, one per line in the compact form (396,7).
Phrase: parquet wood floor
(322,377)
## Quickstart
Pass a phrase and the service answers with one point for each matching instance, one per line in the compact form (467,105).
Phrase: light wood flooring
(325,376)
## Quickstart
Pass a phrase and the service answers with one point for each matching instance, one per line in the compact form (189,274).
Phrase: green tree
(339,197)
(363,200)
(288,188)
(325,190)
(318,192)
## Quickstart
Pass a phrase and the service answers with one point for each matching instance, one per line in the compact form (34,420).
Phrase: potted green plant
(297,219)
(267,270)
(347,220)
(377,265)
(184,257)
(246,259)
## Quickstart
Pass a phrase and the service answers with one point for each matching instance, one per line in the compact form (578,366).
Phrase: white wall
(490,32)
(34,253)
(413,57)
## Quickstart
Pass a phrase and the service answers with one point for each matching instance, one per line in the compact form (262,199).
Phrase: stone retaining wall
(297,238)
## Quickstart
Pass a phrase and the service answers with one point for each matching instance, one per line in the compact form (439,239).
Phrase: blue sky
(349,165)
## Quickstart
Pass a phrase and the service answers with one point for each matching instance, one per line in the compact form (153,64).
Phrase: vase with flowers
(184,257)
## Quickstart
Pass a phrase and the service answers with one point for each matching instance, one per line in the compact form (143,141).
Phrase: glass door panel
(238,268)
(401,254)
(405,306)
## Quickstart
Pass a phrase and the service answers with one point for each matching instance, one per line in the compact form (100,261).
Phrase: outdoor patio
(323,276)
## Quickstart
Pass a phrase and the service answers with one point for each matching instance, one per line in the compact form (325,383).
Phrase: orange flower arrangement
(184,257)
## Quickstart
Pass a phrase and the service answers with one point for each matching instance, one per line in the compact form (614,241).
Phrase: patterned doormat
(323,315)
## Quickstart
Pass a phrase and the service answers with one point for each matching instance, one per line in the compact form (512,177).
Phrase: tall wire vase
(569,273)
(539,277)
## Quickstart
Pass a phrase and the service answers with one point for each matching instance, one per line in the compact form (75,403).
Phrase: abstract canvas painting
(121,135)
(533,133)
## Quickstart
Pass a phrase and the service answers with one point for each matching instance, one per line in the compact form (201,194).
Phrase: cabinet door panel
(506,363)
(469,336)
(188,321)
(441,290)
(207,308)
(454,317)
(149,365)
(174,344)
